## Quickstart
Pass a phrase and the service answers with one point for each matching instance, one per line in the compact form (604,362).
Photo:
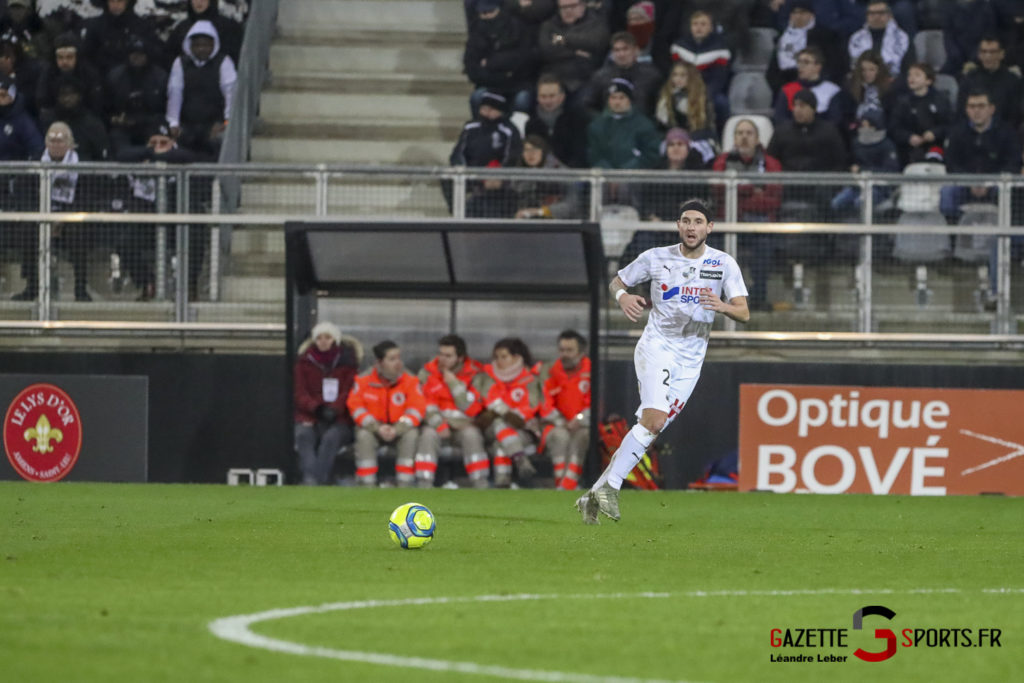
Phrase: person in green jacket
(622,138)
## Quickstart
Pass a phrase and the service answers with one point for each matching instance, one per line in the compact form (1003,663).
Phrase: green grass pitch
(117,582)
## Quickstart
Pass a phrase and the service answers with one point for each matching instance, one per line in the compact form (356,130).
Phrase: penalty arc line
(237,629)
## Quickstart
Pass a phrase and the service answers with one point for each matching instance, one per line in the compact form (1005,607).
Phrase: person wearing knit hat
(872,151)
(624,63)
(323,377)
(808,97)
(640,23)
(622,137)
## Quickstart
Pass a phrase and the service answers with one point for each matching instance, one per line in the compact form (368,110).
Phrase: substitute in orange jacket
(387,407)
(514,405)
(452,403)
(567,383)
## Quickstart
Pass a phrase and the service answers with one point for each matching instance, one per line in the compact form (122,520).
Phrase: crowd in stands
(498,417)
(663,84)
(111,80)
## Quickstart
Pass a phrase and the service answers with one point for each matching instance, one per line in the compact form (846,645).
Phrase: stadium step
(373,83)
(253,288)
(302,17)
(417,111)
(316,150)
(363,197)
(301,57)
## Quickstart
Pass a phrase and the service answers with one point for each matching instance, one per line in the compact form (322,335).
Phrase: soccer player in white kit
(690,282)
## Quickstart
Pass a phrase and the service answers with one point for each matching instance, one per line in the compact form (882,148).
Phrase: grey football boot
(588,507)
(607,498)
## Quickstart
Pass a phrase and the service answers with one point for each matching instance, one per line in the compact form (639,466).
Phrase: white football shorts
(665,384)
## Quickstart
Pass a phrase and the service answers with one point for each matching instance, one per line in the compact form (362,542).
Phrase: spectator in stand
(19,141)
(90,134)
(137,97)
(640,24)
(803,30)
(323,377)
(19,138)
(500,56)
(661,201)
(622,137)
(921,117)
(1001,82)
(452,404)
(559,121)
(489,141)
(870,86)
(872,151)
(514,405)
(67,61)
(984,143)
(67,193)
(108,36)
(967,22)
(831,101)
(755,204)
(683,102)
(707,50)
(532,12)
(808,143)
(882,35)
(843,17)
(138,241)
(23,70)
(573,43)
(537,198)
(199,90)
(21,22)
(229,31)
(567,383)
(387,407)
(1010,27)
(644,76)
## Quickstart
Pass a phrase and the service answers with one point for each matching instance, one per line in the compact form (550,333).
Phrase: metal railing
(830,269)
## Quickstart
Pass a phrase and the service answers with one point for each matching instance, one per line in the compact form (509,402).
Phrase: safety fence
(918,252)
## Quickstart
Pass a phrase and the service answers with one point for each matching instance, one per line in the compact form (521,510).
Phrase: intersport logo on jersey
(849,439)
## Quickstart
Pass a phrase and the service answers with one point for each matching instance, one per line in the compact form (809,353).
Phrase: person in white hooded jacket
(199,90)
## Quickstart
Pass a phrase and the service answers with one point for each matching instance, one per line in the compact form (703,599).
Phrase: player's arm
(631,304)
(735,308)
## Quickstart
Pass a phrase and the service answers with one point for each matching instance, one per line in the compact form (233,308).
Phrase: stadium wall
(211,412)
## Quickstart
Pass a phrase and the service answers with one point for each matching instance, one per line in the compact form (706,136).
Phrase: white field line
(237,628)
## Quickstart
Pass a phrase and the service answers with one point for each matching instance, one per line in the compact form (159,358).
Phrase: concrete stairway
(352,81)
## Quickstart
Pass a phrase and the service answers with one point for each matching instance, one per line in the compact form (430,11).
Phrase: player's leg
(428,444)
(366,457)
(508,445)
(326,453)
(578,443)
(405,458)
(474,455)
(305,447)
(556,447)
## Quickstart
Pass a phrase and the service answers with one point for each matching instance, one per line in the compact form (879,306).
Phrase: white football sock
(627,455)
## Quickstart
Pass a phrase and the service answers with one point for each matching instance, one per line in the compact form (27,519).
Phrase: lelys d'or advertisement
(847,439)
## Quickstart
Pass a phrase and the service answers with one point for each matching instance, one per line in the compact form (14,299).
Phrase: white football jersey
(677,319)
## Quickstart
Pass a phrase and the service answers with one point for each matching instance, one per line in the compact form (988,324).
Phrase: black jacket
(568,136)
(915,115)
(994,150)
(507,44)
(816,146)
(483,141)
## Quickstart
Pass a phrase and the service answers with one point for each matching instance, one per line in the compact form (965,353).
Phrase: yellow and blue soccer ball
(411,525)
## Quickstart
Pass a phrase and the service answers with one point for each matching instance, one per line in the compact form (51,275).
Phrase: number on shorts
(667,376)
